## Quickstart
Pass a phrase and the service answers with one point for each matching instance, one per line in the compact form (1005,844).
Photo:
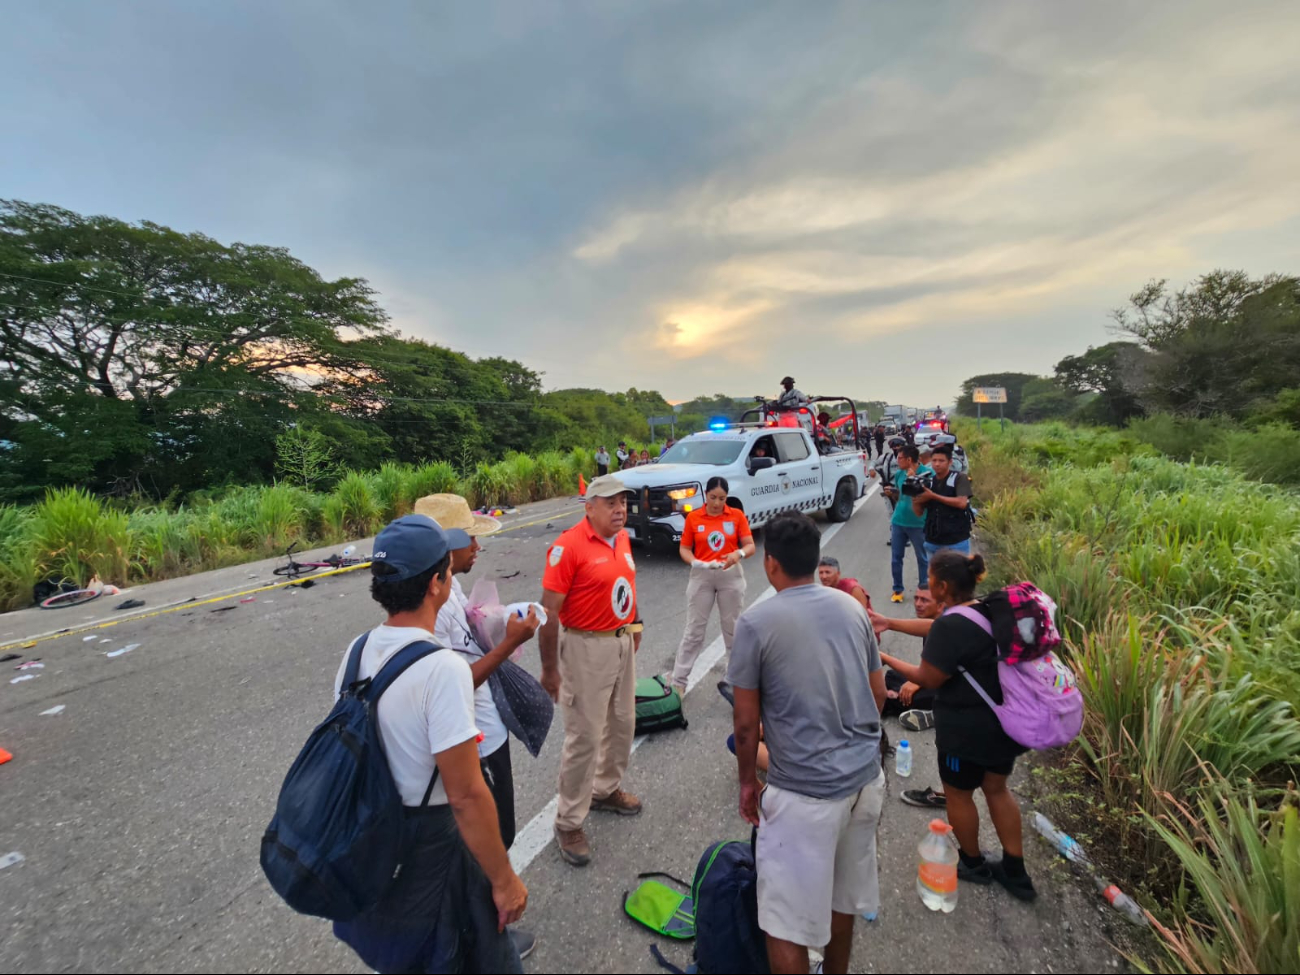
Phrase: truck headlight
(685,499)
(682,493)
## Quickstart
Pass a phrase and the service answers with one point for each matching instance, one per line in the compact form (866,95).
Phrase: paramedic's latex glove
(510,899)
(519,630)
(749,802)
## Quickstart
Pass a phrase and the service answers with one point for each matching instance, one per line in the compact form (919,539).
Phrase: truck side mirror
(757,464)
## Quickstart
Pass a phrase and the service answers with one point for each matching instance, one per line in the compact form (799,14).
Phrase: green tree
(186,334)
(1114,372)
(1045,399)
(305,458)
(1226,345)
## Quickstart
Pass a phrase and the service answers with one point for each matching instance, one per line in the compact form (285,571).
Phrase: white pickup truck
(769,469)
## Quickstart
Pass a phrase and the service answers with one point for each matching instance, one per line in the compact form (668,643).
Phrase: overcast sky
(881,198)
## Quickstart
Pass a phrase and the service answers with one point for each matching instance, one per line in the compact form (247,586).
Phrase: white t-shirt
(453,631)
(429,709)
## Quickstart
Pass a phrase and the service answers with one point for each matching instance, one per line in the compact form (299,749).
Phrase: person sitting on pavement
(588,649)
(715,540)
(974,750)
(815,854)
(463,529)
(449,909)
(828,571)
(906,700)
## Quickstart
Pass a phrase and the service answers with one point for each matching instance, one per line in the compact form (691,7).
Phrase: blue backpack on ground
(725,892)
(339,834)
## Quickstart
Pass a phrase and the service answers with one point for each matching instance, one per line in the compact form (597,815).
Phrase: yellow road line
(104,624)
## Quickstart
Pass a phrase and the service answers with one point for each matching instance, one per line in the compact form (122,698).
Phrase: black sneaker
(524,941)
(728,695)
(1021,888)
(982,874)
(926,798)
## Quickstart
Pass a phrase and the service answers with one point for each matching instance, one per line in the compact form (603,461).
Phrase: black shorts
(962,773)
(499,775)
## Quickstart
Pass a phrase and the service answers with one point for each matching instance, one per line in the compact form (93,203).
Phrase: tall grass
(74,535)
(1179,590)
(77,537)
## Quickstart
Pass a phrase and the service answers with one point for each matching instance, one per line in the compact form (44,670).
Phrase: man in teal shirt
(906,525)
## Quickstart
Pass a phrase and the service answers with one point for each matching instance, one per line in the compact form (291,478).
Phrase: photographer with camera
(908,524)
(945,503)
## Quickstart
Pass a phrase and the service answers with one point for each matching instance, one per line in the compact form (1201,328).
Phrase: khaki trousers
(598,695)
(726,588)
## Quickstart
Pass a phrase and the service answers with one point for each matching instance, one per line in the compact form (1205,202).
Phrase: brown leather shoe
(573,845)
(620,802)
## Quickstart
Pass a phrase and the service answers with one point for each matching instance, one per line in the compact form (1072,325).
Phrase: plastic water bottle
(350,551)
(936,877)
(1121,901)
(1065,845)
(903,759)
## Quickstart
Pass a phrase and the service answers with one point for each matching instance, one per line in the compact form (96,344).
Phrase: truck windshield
(716,453)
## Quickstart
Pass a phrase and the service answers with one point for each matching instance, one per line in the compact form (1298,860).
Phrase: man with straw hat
(463,529)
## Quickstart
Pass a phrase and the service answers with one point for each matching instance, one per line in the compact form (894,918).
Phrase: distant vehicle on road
(775,460)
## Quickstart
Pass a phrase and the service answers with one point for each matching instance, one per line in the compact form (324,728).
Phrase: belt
(621,631)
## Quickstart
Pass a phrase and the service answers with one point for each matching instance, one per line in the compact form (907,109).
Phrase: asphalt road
(138,808)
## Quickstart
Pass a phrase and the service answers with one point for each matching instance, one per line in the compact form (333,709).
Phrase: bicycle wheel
(74,598)
(291,569)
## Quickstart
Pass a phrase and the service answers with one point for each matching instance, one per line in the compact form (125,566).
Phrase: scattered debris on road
(24,677)
(87,639)
(57,709)
(11,859)
(126,649)
(249,599)
(31,665)
(222,609)
(8,657)
(130,604)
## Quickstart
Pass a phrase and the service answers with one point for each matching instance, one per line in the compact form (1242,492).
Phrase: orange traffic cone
(582,484)
(5,756)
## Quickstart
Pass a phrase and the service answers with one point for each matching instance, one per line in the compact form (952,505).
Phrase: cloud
(693,197)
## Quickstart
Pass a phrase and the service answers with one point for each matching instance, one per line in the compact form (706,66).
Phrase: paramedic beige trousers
(726,589)
(598,695)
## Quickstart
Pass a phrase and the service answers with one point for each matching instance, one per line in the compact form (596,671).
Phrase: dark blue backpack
(727,935)
(336,842)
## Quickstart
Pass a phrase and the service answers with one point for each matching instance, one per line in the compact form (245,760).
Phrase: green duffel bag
(658,706)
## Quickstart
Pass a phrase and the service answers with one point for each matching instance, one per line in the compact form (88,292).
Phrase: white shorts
(815,856)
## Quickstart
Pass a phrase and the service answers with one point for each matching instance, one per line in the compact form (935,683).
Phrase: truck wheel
(841,508)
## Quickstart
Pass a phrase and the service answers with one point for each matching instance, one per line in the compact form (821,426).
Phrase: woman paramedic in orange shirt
(714,541)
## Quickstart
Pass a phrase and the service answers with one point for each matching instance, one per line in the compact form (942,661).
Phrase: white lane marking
(539,833)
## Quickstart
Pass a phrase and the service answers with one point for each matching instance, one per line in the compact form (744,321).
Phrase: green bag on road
(660,908)
(658,706)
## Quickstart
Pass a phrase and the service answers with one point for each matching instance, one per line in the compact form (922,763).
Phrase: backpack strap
(353,668)
(982,621)
(396,666)
(972,614)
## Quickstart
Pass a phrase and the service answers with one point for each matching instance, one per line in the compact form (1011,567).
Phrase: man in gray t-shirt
(806,663)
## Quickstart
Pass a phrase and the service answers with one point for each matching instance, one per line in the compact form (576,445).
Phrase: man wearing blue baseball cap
(457,891)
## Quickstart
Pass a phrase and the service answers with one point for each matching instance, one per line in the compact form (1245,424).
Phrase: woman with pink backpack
(960,662)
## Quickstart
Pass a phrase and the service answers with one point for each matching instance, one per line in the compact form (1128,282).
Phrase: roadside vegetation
(1178,582)
(72,534)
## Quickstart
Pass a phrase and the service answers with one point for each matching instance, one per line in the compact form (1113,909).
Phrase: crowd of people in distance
(808,682)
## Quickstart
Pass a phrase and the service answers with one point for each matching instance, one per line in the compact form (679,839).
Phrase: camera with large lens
(915,484)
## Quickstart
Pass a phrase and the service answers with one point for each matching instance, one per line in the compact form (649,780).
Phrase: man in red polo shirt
(588,648)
